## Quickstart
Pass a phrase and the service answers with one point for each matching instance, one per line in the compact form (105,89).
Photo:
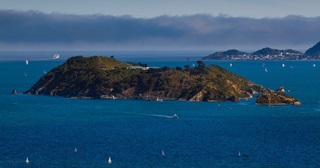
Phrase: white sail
(162,152)
(27,62)
(27,160)
(109,160)
(75,150)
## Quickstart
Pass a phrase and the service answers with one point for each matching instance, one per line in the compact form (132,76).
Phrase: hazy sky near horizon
(158,24)
(154,8)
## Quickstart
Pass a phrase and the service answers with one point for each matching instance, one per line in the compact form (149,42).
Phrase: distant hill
(267,51)
(314,51)
(225,55)
(270,51)
(262,54)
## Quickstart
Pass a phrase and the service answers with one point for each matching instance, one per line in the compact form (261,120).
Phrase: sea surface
(48,129)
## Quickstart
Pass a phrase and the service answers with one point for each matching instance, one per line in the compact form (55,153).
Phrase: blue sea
(48,129)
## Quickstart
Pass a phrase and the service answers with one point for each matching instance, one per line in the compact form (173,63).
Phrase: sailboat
(27,62)
(56,56)
(162,153)
(283,65)
(265,69)
(109,160)
(239,154)
(27,160)
(75,150)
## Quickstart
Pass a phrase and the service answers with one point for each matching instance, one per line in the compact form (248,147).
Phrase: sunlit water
(134,133)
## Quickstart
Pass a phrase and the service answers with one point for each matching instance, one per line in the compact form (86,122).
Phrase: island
(103,77)
(267,53)
(270,97)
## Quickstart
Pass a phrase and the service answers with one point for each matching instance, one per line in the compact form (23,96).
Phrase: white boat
(162,153)
(239,154)
(230,65)
(313,65)
(27,160)
(56,56)
(175,116)
(75,150)
(283,65)
(27,62)
(265,70)
(44,71)
(25,74)
(159,100)
(109,160)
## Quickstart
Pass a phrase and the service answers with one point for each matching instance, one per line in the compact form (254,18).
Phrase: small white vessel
(265,70)
(239,154)
(109,160)
(283,65)
(313,65)
(230,64)
(175,116)
(56,56)
(25,74)
(159,100)
(27,160)
(27,62)
(75,150)
(162,153)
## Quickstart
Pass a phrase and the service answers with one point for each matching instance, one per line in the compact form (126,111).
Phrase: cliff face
(102,77)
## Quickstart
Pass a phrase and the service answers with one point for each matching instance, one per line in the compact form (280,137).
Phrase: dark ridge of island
(314,51)
(267,53)
(104,77)
(270,97)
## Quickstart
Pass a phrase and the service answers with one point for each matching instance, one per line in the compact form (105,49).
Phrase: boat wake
(151,115)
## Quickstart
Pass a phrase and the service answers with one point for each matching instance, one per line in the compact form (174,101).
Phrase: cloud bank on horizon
(33,30)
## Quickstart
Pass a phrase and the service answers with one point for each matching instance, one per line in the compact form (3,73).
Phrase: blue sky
(158,24)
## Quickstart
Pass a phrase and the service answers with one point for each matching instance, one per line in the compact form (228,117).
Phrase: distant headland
(107,78)
(267,53)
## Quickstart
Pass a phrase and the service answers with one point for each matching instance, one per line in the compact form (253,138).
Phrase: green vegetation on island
(104,77)
(107,78)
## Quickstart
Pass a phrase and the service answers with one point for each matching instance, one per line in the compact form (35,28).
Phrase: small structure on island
(281,89)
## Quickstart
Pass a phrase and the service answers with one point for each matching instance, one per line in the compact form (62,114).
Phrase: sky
(158,24)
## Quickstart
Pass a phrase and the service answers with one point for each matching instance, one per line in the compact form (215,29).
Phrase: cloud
(32,29)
